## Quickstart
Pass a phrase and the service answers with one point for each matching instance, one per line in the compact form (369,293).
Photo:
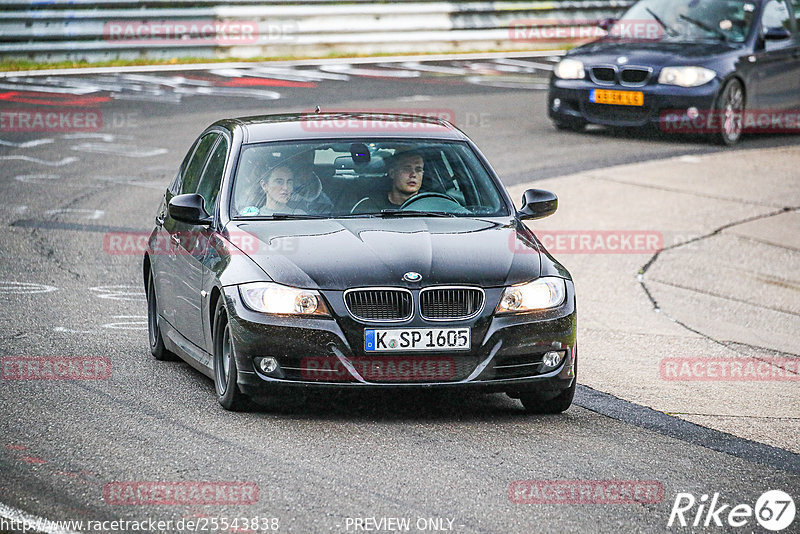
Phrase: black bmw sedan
(356,251)
(701,66)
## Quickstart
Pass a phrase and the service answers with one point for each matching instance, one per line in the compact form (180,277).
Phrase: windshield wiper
(704,26)
(414,213)
(670,30)
(284,216)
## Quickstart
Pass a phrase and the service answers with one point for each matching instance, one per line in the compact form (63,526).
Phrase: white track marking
(32,523)
(106,137)
(439,69)
(10,287)
(22,86)
(528,65)
(356,71)
(139,322)
(119,292)
(64,330)
(59,163)
(229,91)
(90,214)
(297,75)
(128,151)
(37,178)
(26,144)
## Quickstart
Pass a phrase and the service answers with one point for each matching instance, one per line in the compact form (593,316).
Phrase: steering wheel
(429,194)
(357,204)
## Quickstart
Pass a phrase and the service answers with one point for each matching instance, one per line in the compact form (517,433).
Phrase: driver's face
(406,175)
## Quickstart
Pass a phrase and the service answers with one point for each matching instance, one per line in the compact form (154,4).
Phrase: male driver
(405,171)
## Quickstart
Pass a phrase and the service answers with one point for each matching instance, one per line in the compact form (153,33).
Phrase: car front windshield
(363,178)
(687,20)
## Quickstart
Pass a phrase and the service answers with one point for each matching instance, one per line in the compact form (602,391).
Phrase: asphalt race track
(321,463)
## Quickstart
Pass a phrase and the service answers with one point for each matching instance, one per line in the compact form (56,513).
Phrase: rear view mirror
(190,209)
(776,34)
(537,203)
(606,24)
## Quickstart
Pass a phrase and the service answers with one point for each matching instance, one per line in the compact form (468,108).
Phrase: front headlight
(542,293)
(686,76)
(269,297)
(569,69)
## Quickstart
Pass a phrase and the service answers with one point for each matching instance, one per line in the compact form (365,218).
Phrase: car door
(777,62)
(162,263)
(209,189)
(187,247)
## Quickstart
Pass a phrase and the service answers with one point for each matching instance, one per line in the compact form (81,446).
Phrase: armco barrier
(50,30)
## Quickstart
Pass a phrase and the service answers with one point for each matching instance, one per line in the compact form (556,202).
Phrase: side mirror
(189,208)
(606,24)
(537,203)
(777,34)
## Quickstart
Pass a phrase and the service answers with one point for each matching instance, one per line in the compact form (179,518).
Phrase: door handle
(160,220)
(175,239)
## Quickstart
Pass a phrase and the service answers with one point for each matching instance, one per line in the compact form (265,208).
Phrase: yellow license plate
(618,98)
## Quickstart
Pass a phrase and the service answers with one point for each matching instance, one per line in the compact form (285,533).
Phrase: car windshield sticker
(248,211)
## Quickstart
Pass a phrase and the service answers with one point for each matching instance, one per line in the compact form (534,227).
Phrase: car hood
(337,254)
(650,54)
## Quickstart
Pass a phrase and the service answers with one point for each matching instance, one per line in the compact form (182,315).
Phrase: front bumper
(506,352)
(663,104)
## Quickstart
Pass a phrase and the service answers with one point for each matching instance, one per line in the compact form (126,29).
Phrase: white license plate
(416,339)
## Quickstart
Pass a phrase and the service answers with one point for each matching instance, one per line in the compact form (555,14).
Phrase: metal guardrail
(50,30)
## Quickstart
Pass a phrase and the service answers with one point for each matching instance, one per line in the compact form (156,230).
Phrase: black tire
(731,106)
(572,125)
(157,348)
(225,370)
(535,404)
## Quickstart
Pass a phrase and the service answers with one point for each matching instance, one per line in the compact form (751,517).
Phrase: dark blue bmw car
(708,65)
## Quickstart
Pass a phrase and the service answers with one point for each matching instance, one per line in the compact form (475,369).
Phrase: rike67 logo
(774,510)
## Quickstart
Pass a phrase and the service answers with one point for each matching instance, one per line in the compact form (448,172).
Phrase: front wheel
(730,107)
(225,370)
(157,348)
(534,403)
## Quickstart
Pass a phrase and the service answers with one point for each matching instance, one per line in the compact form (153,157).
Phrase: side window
(191,174)
(776,15)
(212,176)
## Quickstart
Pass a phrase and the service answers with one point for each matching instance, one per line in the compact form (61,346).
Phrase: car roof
(350,124)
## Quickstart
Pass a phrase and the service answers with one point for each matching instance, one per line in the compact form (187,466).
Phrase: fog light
(556,104)
(552,358)
(692,113)
(267,365)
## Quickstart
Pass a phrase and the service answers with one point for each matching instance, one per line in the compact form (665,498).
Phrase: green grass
(23,65)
